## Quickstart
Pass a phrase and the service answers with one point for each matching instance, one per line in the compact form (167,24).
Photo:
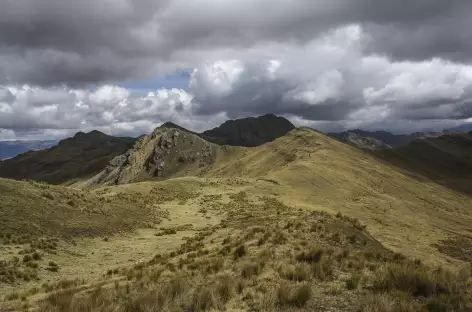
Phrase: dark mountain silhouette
(252,131)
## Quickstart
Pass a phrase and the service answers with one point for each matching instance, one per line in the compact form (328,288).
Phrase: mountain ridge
(72,158)
(9,149)
(379,139)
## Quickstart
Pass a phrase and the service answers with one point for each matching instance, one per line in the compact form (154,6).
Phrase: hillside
(308,169)
(304,222)
(359,141)
(32,209)
(446,159)
(77,157)
(379,139)
(252,131)
(9,149)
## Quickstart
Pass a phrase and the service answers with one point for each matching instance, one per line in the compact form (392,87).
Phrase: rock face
(168,151)
(249,132)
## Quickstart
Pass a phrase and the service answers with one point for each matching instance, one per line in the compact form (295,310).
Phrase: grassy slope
(314,171)
(265,256)
(303,170)
(32,209)
(446,160)
(78,157)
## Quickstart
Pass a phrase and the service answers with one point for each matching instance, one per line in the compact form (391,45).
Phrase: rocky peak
(167,151)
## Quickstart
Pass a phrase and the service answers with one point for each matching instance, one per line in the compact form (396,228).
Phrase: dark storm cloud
(79,42)
(334,63)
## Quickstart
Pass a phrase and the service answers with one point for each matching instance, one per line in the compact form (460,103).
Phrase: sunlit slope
(406,211)
(30,209)
(309,170)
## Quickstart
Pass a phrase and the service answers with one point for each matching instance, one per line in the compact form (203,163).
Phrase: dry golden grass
(260,238)
(399,208)
(300,272)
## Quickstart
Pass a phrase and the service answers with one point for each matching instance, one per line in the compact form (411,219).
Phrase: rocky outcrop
(250,132)
(168,151)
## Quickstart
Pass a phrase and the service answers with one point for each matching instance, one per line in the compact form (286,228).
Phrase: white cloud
(327,82)
(109,96)
(110,109)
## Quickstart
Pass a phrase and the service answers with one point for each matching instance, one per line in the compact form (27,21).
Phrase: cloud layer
(398,65)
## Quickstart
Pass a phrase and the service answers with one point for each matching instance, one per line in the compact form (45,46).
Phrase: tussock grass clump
(323,270)
(53,267)
(36,256)
(47,244)
(166,232)
(299,272)
(263,239)
(386,303)
(353,281)
(12,296)
(279,238)
(250,269)
(416,280)
(446,303)
(213,265)
(32,265)
(174,288)
(312,256)
(294,296)
(203,299)
(225,288)
(240,251)
(69,300)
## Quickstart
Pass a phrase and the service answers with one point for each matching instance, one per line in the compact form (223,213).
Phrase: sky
(126,66)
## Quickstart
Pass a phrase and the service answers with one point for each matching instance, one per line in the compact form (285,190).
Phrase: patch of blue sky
(177,80)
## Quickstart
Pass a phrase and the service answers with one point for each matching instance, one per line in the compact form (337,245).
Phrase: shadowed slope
(446,159)
(252,131)
(9,149)
(379,139)
(78,157)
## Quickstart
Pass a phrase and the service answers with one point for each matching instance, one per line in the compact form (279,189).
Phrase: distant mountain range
(446,159)
(169,149)
(10,149)
(82,155)
(384,139)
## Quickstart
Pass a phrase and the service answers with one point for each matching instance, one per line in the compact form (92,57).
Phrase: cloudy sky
(126,66)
